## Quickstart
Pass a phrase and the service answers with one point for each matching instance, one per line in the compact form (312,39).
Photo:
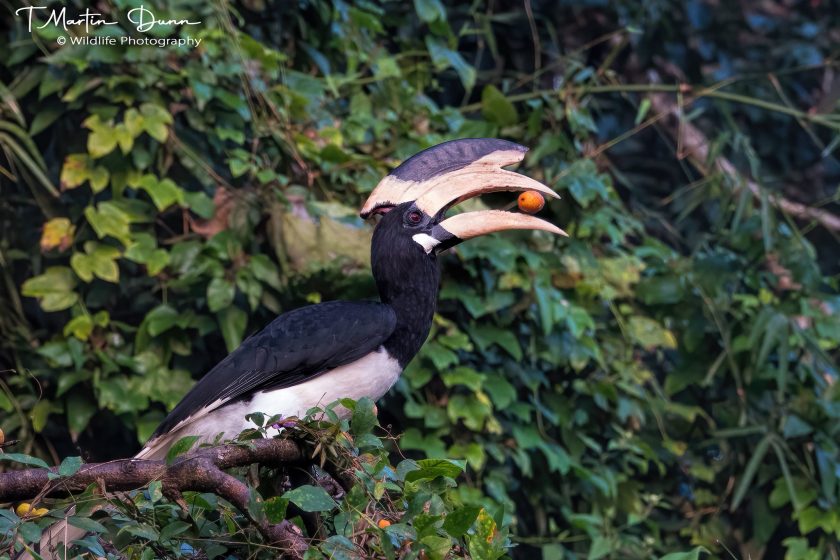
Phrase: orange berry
(384,523)
(531,202)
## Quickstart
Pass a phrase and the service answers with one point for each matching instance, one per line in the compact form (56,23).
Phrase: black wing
(294,347)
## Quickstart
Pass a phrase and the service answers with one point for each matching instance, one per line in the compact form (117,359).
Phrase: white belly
(371,376)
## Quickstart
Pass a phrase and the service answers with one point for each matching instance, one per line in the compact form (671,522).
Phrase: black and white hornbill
(315,355)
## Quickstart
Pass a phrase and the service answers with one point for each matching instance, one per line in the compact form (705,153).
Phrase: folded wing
(292,349)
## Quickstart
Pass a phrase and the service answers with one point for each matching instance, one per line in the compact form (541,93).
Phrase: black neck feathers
(408,279)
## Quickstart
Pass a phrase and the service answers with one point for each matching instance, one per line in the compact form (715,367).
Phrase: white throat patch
(426,241)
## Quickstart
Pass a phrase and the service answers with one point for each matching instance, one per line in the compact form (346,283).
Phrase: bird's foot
(331,485)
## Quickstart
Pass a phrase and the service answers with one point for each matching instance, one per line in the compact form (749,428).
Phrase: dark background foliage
(664,378)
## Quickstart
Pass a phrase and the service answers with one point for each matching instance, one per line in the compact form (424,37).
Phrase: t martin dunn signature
(142,18)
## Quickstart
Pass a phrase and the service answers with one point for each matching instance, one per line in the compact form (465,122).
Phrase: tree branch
(694,145)
(202,471)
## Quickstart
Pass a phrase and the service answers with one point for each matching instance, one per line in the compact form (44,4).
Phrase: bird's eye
(415,217)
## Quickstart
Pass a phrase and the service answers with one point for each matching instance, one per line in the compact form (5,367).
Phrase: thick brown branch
(200,471)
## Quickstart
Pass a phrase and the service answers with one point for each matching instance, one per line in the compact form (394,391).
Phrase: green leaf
(120,394)
(275,509)
(201,204)
(756,458)
(473,409)
(58,301)
(155,491)
(99,260)
(143,249)
(501,392)
(232,321)
(436,547)
(443,58)
(24,460)
(161,319)
(6,404)
(57,353)
(798,548)
(39,414)
(155,121)
(98,179)
(485,335)
(265,271)
(173,529)
(429,10)
(163,193)
(459,521)
(80,409)
(649,334)
(44,118)
(238,167)
(661,290)
(181,447)
(53,288)
(125,140)
(220,294)
(473,452)
(108,219)
(601,546)
(796,427)
(134,122)
(80,327)
(644,107)
(82,266)
(496,108)
(310,498)
(693,554)
(30,532)
(102,139)
(142,531)
(89,525)
(364,417)
(463,376)
(486,543)
(70,466)
(433,468)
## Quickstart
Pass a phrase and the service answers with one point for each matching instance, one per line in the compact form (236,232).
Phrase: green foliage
(392,509)
(663,380)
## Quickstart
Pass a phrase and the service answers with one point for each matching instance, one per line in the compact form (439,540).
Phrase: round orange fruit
(531,202)
(384,523)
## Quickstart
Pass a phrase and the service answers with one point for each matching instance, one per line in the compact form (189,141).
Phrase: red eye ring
(415,217)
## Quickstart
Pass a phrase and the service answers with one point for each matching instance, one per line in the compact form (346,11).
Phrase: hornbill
(317,354)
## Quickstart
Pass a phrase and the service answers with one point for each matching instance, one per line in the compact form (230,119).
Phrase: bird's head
(415,197)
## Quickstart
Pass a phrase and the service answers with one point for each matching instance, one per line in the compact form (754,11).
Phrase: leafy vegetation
(391,510)
(664,379)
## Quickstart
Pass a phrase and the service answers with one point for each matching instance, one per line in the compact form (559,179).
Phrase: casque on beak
(444,175)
